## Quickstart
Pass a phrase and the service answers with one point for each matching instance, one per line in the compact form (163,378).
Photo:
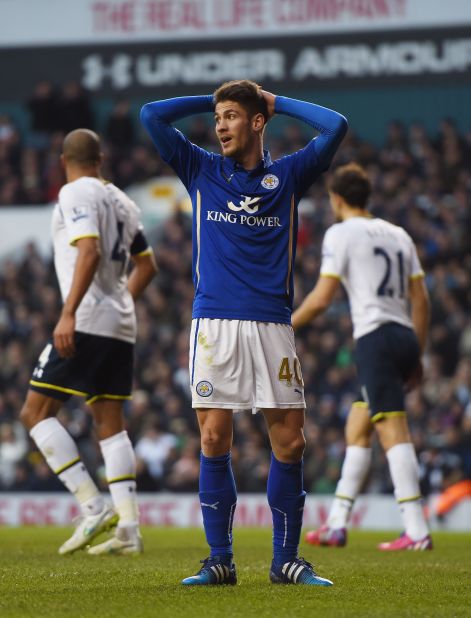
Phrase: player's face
(233,129)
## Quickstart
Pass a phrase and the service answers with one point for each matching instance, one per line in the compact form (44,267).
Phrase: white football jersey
(375,261)
(88,207)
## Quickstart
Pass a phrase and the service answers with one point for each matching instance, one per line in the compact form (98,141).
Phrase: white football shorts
(242,364)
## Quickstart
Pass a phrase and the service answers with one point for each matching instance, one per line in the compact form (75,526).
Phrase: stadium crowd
(421,182)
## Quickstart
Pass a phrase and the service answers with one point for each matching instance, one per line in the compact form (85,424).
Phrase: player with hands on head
(377,263)
(96,231)
(242,350)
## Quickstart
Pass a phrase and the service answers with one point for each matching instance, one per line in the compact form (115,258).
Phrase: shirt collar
(264,163)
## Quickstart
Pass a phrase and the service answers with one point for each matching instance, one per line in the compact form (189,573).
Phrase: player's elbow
(342,125)
(146,114)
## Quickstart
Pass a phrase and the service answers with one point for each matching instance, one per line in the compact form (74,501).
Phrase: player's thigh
(60,378)
(221,373)
(405,349)
(358,428)
(111,376)
(278,377)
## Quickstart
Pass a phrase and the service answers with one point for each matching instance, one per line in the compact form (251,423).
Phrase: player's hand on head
(270,99)
(63,336)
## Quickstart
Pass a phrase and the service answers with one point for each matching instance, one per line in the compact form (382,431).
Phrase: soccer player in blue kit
(242,350)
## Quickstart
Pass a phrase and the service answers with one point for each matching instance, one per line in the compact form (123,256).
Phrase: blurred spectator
(120,131)
(74,108)
(43,108)
(13,447)
(156,449)
(184,475)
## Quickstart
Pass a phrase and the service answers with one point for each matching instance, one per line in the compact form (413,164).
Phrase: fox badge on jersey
(270,181)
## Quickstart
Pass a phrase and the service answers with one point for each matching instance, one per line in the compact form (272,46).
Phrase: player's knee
(31,415)
(297,447)
(292,449)
(214,443)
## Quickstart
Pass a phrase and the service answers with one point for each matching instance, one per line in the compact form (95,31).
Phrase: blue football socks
(218,498)
(286,498)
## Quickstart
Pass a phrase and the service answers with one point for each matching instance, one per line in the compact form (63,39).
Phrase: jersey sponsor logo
(204,388)
(270,181)
(245,205)
(250,220)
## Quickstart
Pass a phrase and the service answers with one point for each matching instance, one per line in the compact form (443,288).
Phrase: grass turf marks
(35,581)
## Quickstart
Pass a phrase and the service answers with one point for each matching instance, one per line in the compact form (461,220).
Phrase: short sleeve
(334,258)
(79,209)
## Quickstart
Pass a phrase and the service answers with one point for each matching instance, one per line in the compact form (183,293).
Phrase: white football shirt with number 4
(88,207)
(375,261)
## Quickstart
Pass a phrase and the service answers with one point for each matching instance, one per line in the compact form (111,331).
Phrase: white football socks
(60,452)
(404,470)
(120,465)
(354,470)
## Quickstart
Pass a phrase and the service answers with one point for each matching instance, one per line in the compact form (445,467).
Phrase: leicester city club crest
(204,388)
(270,181)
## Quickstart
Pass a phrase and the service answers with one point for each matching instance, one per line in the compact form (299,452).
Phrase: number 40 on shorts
(287,372)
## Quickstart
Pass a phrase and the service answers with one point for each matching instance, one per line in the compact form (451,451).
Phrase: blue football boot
(215,570)
(297,571)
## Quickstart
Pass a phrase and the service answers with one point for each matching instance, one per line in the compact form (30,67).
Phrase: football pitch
(36,582)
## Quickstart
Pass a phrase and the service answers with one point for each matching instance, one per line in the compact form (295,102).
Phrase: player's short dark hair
(82,146)
(352,183)
(243,91)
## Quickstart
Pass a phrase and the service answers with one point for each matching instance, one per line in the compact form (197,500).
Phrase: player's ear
(258,122)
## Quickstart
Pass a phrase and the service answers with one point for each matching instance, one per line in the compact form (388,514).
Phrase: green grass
(36,582)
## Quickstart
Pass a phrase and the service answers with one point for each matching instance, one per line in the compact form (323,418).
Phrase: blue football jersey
(244,221)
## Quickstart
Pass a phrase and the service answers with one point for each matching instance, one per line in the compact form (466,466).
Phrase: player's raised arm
(331,125)
(174,148)
(317,156)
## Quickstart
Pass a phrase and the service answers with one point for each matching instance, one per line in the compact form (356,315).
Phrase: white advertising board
(68,22)
(371,512)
